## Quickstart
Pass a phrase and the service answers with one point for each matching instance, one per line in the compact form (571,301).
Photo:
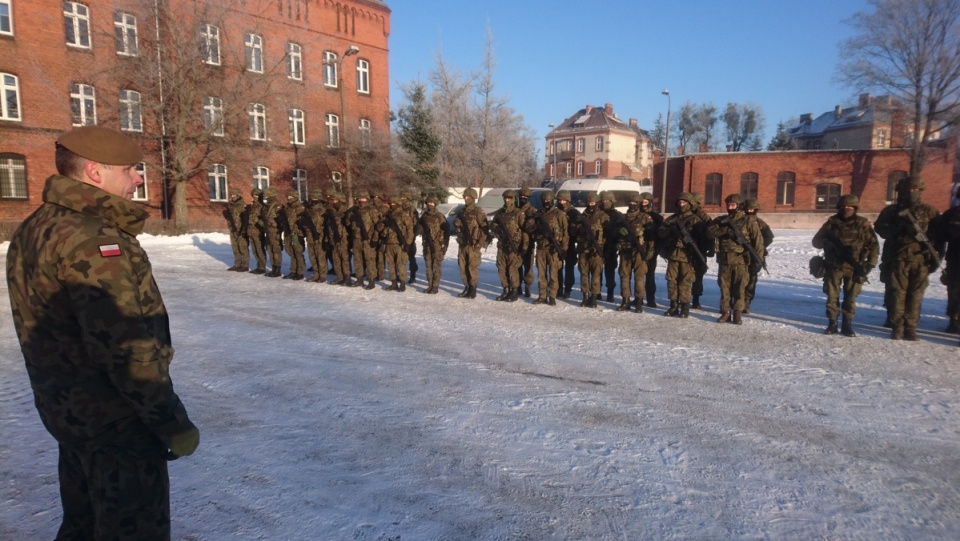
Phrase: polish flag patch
(110,250)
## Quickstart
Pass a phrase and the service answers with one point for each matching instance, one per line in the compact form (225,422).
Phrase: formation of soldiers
(374,240)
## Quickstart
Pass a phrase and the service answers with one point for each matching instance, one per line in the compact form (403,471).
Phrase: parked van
(621,188)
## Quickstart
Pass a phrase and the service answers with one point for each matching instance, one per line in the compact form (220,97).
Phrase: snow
(338,413)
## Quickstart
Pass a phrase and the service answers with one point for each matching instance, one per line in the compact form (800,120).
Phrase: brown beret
(102,145)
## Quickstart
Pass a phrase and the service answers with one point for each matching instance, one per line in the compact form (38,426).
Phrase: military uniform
(256,233)
(910,263)
(507,226)
(635,246)
(293,235)
(612,226)
(362,219)
(592,240)
(682,261)
(527,245)
(850,251)
(313,220)
(435,236)
(273,228)
(236,215)
(337,236)
(751,207)
(572,260)
(948,231)
(395,230)
(95,337)
(734,259)
(707,248)
(550,223)
(408,207)
(473,234)
(656,220)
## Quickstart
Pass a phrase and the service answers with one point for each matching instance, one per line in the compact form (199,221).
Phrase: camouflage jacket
(404,224)
(236,214)
(672,246)
(556,221)
(729,251)
(273,218)
(91,323)
(898,232)
(435,232)
(471,227)
(255,217)
(852,238)
(312,220)
(508,223)
(637,224)
(597,222)
(368,215)
(293,219)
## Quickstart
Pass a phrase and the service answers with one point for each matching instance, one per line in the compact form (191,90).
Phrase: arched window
(786,181)
(748,185)
(713,189)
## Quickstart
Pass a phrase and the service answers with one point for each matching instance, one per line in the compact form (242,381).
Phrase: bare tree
(686,126)
(705,119)
(910,49)
(658,132)
(744,126)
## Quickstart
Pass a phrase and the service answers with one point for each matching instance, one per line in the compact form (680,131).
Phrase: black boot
(696,302)
(724,317)
(274,273)
(673,310)
(651,301)
(610,295)
(463,294)
(412,280)
(540,300)
(684,310)
(551,301)
(472,294)
(638,306)
(831,327)
(370,284)
(625,305)
(394,286)
(526,291)
(402,287)
(585,303)
(502,296)
(737,320)
(258,270)
(512,294)
(847,328)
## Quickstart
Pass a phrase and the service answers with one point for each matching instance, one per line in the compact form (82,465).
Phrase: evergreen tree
(782,141)
(416,135)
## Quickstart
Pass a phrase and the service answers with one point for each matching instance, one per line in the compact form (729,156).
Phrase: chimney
(806,118)
(588,108)
(837,112)
(608,108)
(865,100)
(633,123)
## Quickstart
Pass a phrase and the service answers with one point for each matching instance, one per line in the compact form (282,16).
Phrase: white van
(621,188)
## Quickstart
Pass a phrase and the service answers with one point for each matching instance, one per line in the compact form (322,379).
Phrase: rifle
(846,254)
(306,222)
(355,214)
(329,224)
(920,236)
(504,235)
(740,239)
(688,240)
(636,244)
(427,238)
(392,224)
(544,229)
(589,235)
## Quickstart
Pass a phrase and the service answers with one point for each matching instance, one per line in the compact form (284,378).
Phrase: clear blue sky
(555,57)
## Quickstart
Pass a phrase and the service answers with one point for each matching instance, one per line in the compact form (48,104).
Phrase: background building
(236,93)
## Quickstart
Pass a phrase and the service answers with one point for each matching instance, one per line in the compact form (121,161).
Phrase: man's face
(524,199)
(682,204)
(732,207)
(848,211)
(431,205)
(362,201)
(119,180)
(507,201)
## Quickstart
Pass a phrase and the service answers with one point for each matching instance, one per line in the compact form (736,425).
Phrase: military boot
(402,287)
(585,303)
(831,327)
(429,288)
(724,317)
(847,328)
(234,268)
(274,273)
(638,306)
(258,270)
(896,333)
(540,300)
(472,293)
(696,302)
(502,296)
(610,294)
(737,320)
(412,280)
(651,301)
(526,290)
(684,310)
(952,328)
(673,310)
(551,301)
(593,301)
(910,335)
(625,305)
(370,284)
(463,294)
(394,286)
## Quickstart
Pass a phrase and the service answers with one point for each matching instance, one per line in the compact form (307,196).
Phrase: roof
(593,119)
(846,119)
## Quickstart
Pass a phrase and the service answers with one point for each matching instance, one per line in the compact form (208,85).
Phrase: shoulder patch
(109,250)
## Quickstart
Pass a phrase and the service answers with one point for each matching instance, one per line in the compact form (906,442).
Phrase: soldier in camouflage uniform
(236,214)
(273,226)
(380,203)
(255,230)
(549,232)
(591,239)
(568,272)
(850,251)
(362,219)
(911,263)
(656,220)
(634,246)
(527,245)
(473,234)
(410,209)
(706,246)
(682,261)
(612,226)
(435,236)
(507,226)
(313,230)
(337,237)
(95,337)
(734,259)
(948,231)
(395,230)
(751,207)
(293,235)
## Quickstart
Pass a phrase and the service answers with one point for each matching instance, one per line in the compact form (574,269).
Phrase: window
(141,193)
(363,77)
(6,18)
(83,104)
(581,145)
(13,176)
(333,131)
(300,181)
(786,181)
(130,115)
(125,33)
(748,185)
(882,139)
(217,177)
(254,53)
(76,24)
(210,44)
(261,177)
(366,133)
(599,145)
(294,61)
(297,130)
(597,166)
(213,115)
(713,189)
(569,168)
(579,168)
(827,196)
(892,179)
(329,69)
(9,97)
(258,121)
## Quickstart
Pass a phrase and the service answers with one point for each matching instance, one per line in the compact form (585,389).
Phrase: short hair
(69,164)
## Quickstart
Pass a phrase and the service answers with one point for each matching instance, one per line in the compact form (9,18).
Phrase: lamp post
(351,50)
(555,172)
(666,150)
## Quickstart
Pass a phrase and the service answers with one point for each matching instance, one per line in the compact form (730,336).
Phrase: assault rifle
(331,227)
(228,214)
(427,237)
(846,255)
(635,243)
(306,222)
(920,236)
(503,235)
(688,240)
(544,229)
(356,217)
(589,235)
(392,224)
(740,239)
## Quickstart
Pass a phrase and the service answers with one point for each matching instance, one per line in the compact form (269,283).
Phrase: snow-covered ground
(337,413)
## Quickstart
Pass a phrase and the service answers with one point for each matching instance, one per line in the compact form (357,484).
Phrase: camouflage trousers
(526,265)
(632,266)
(836,280)
(548,272)
(680,277)
(508,267)
(433,259)
(340,256)
(469,260)
(275,248)
(108,495)
(256,245)
(908,282)
(317,256)
(365,260)
(751,290)
(732,279)
(241,251)
(396,258)
(294,246)
(590,266)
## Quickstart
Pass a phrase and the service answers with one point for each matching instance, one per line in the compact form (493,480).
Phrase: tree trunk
(180,219)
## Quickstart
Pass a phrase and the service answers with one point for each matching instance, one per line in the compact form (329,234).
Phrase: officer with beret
(95,336)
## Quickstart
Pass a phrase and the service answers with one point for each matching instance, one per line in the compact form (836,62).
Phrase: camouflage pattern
(410,209)
(293,236)
(364,241)
(527,245)
(856,236)
(646,207)
(591,261)
(734,259)
(570,263)
(256,231)
(395,248)
(612,226)
(547,258)
(633,264)
(235,213)
(681,269)
(473,234)
(767,235)
(508,261)
(95,337)
(313,221)
(434,226)
(273,229)
(337,237)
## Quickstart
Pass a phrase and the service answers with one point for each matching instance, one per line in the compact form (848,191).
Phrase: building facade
(236,93)
(594,142)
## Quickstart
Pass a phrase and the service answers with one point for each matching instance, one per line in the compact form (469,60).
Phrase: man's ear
(91,170)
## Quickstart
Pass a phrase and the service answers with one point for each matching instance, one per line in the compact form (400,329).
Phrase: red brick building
(280,66)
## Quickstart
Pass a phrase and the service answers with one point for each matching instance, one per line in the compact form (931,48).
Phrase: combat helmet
(235,192)
(510,193)
(635,197)
(525,192)
(751,204)
(848,200)
(470,192)
(689,197)
(564,195)
(256,192)
(733,198)
(270,192)
(593,197)
(362,194)
(646,195)
(547,196)
(293,193)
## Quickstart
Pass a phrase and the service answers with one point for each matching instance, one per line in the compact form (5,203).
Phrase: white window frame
(210,44)
(581,145)
(217,181)
(83,104)
(6,18)
(294,61)
(125,33)
(363,76)
(258,121)
(254,48)
(13,168)
(330,69)
(599,144)
(298,129)
(261,177)
(598,166)
(366,133)
(10,95)
(580,168)
(213,115)
(300,181)
(333,130)
(76,25)
(131,114)
(141,193)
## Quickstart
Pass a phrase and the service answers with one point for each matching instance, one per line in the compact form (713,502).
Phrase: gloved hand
(184,443)
(623,232)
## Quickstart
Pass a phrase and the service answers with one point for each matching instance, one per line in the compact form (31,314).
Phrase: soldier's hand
(184,443)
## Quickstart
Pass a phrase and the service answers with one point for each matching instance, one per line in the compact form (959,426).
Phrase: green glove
(184,443)
(623,232)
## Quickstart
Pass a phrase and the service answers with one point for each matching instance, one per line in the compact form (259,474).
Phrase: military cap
(510,193)
(732,198)
(256,192)
(293,193)
(526,192)
(563,194)
(270,192)
(593,197)
(102,145)
(470,192)
(646,195)
(635,197)
(849,200)
(751,204)
(362,194)
(547,196)
(689,197)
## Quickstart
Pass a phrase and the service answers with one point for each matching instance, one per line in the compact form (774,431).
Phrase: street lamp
(666,149)
(352,50)
(555,172)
